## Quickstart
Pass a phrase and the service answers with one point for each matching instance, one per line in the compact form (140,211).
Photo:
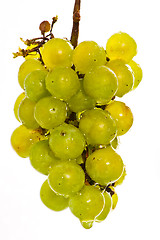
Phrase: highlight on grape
(72,117)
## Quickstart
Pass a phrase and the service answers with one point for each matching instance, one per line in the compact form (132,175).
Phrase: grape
(66,141)
(124,75)
(122,115)
(57,52)
(66,178)
(33,54)
(41,157)
(97,126)
(50,112)
(115,143)
(121,179)
(87,204)
(114,198)
(51,199)
(17,103)
(23,138)
(62,82)
(104,166)
(80,101)
(34,84)
(106,209)
(87,55)
(26,113)
(101,84)
(137,71)
(27,67)
(87,224)
(121,46)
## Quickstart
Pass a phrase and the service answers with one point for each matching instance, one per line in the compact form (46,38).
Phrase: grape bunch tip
(71,117)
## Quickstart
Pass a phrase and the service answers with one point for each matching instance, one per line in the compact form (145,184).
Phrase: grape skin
(23,138)
(26,113)
(51,200)
(101,84)
(27,67)
(66,178)
(17,103)
(66,141)
(104,166)
(121,46)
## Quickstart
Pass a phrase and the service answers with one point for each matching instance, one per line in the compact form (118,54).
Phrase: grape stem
(76,19)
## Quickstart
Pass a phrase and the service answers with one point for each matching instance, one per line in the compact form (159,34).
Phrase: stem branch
(76,19)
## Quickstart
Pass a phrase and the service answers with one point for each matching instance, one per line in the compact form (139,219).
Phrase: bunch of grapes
(71,117)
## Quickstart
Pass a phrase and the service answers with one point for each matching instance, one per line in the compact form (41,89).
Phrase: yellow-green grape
(66,178)
(101,84)
(33,54)
(122,115)
(41,157)
(17,103)
(50,112)
(66,141)
(106,209)
(57,52)
(104,166)
(23,138)
(137,71)
(27,67)
(121,179)
(121,46)
(34,84)
(124,75)
(26,113)
(87,55)
(62,82)
(115,142)
(87,204)
(51,199)
(87,224)
(97,126)
(114,200)
(80,101)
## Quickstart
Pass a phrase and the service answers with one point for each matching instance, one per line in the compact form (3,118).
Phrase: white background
(22,215)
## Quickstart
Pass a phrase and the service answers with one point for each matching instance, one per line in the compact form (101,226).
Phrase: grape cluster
(71,120)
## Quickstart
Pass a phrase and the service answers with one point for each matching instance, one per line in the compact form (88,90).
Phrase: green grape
(124,75)
(121,46)
(34,85)
(97,126)
(106,209)
(51,199)
(87,204)
(104,166)
(115,143)
(23,138)
(87,224)
(114,198)
(66,141)
(17,103)
(137,71)
(122,115)
(41,157)
(66,178)
(57,52)
(26,113)
(101,84)
(80,101)
(62,82)
(50,112)
(87,55)
(121,179)
(27,67)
